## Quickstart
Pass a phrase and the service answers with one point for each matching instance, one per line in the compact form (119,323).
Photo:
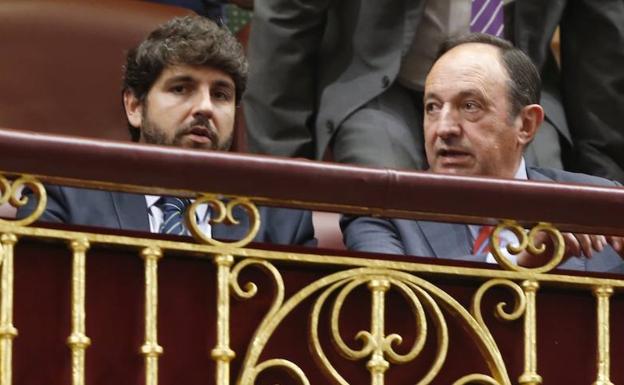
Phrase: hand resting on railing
(575,244)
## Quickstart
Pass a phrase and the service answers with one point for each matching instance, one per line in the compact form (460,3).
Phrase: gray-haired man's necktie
(487,17)
(173,215)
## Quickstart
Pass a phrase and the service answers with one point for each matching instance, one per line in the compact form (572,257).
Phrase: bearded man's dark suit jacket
(324,72)
(129,212)
(453,241)
(591,81)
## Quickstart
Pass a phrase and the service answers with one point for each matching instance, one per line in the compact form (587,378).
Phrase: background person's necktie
(173,215)
(487,17)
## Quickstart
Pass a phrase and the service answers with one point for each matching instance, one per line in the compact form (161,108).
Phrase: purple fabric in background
(212,9)
(487,17)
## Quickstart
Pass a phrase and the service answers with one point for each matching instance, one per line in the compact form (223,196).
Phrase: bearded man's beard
(152,133)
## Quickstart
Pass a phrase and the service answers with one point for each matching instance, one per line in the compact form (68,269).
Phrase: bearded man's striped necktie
(173,215)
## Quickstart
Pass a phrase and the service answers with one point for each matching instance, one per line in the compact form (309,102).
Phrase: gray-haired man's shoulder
(552,174)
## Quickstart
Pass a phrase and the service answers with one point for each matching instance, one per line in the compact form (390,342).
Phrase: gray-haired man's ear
(531,118)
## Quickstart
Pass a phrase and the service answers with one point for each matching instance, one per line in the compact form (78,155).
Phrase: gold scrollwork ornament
(527,243)
(517,311)
(8,194)
(421,297)
(223,213)
(375,343)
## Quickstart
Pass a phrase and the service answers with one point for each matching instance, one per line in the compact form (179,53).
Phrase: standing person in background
(591,80)
(348,75)
(323,71)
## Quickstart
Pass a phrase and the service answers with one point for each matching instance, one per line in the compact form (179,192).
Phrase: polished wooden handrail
(310,184)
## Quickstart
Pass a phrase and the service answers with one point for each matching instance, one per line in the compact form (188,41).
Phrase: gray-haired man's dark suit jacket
(129,212)
(453,241)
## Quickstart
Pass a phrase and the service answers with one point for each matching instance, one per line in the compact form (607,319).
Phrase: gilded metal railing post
(602,294)
(222,353)
(7,331)
(150,349)
(530,376)
(378,365)
(78,340)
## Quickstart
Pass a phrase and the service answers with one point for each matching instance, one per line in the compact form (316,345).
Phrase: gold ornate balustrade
(240,313)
